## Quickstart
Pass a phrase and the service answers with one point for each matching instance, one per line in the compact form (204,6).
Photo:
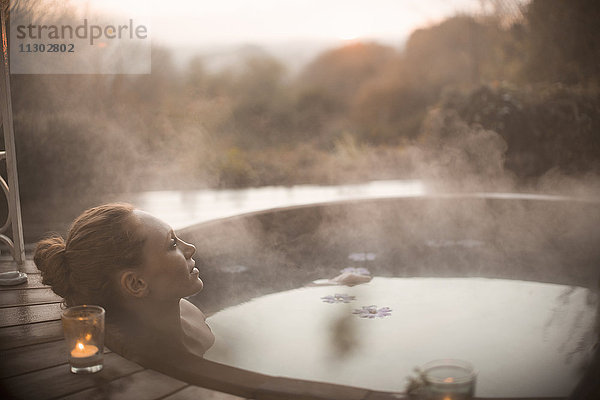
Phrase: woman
(136,267)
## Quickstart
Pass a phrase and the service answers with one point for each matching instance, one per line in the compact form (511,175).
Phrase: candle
(82,351)
(84,325)
(449,380)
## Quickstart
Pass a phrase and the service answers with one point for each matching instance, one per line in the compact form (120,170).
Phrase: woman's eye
(173,243)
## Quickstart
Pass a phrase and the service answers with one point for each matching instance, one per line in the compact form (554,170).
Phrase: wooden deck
(33,360)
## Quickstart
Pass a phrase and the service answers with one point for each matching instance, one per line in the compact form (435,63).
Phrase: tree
(339,73)
(563,42)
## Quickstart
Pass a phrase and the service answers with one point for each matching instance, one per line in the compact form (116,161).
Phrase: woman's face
(167,267)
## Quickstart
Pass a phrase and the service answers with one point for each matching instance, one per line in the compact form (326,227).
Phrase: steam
(456,156)
(453,156)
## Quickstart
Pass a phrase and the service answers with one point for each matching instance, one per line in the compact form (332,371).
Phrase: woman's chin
(198,286)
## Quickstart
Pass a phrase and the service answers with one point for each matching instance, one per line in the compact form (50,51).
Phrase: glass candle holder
(449,380)
(84,335)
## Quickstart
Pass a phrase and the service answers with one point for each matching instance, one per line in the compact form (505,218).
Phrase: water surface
(526,339)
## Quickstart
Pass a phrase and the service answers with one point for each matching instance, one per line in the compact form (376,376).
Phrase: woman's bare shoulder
(189,309)
(197,334)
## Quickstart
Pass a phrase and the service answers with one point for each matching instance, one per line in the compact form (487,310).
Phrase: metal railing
(10,185)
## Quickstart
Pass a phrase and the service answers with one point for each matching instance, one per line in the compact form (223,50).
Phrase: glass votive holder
(449,380)
(84,335)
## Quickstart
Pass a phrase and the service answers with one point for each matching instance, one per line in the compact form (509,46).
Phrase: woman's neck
(164,316)
(136,328)
(160,316)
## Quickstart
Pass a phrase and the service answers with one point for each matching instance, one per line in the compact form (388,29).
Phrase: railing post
(11,185)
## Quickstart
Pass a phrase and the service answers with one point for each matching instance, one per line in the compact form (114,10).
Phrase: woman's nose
(189,249)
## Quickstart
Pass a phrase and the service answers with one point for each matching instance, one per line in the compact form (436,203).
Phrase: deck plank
(22,315)
(32,358)
(22,297)
(25,335)
(197,392)
(143,385)
(58,381)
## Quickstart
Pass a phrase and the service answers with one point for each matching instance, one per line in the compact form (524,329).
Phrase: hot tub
(507,282)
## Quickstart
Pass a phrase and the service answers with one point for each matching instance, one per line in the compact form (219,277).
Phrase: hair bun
(49,258)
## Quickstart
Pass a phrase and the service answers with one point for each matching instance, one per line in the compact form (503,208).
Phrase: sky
(276,21)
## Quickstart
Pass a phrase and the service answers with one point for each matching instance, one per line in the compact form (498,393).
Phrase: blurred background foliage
(352,114)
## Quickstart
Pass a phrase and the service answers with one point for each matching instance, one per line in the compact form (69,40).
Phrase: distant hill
(293,54)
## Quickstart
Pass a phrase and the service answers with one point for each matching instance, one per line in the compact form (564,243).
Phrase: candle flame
(449,380)
(80,346)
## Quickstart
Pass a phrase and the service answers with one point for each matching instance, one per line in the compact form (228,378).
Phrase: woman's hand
(351,279)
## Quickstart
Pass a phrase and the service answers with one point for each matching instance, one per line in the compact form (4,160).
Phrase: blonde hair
(83,269)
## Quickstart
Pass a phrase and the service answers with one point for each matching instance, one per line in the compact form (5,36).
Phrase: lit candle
(84,325)
(449,380)
(82,351)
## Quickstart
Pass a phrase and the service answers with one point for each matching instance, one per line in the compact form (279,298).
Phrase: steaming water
(525,339)
(185,208)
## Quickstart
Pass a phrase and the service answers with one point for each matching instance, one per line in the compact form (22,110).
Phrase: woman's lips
(194,271)
(193,268)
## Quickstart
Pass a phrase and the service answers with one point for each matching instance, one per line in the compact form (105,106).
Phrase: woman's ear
(134,285)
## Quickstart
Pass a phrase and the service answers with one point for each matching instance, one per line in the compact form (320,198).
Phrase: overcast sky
(267,21)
